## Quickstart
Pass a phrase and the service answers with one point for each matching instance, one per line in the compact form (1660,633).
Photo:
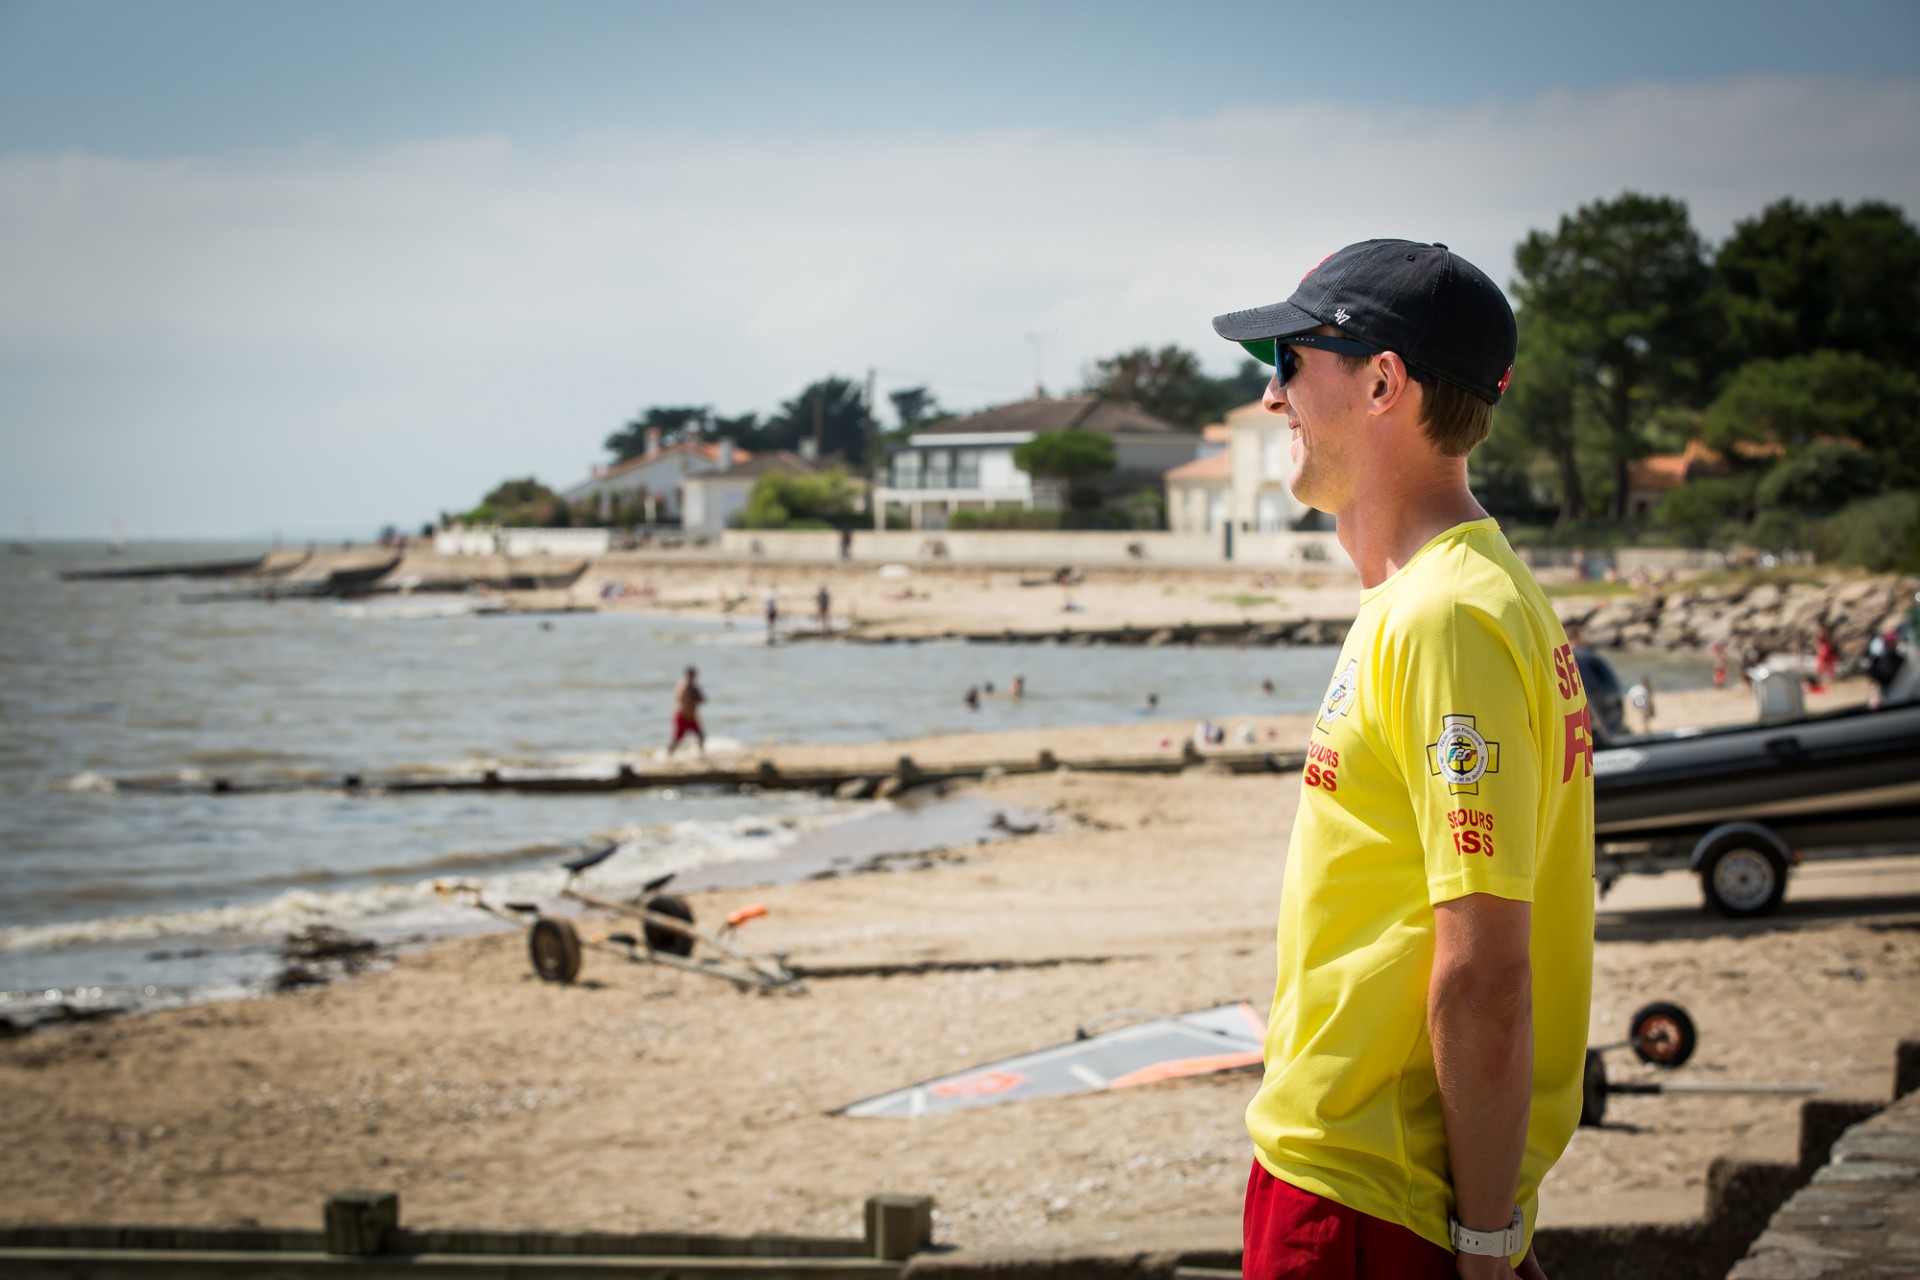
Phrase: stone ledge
(1859,1218)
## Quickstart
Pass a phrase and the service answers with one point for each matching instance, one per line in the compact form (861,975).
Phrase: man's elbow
(1484,1010)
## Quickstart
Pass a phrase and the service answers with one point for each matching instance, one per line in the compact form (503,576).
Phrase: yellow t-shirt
(1451,756)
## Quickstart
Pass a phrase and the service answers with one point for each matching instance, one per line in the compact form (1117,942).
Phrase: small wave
(227,757)
(415,905)
(88,781)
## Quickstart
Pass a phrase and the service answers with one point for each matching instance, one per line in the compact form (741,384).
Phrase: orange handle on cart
(744,914)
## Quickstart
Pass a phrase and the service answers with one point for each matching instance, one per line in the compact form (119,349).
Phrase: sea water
(106,683)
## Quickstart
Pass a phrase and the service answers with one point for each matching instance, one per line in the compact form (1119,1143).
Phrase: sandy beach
(642,1097)
(938,599)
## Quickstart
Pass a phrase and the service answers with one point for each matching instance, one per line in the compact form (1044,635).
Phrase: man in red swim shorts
(1427,1042)
(687,697)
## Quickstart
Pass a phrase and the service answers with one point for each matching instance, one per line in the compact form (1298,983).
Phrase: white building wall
(466,542)
(556,542)
(998,472)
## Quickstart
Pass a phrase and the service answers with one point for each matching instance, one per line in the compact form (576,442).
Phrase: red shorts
(684,724)
(1301,1236)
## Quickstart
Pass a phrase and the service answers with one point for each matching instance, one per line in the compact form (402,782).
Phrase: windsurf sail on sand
(1226,1037)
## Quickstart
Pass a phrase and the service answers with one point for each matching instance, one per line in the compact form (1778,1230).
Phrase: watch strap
(1487,1244)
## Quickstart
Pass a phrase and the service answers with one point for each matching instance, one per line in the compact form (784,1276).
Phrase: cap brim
(1281,320)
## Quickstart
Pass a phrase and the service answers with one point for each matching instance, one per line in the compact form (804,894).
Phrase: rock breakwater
(1771,617)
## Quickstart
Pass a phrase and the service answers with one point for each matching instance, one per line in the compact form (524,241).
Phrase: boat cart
(665,932)
(1660,1035)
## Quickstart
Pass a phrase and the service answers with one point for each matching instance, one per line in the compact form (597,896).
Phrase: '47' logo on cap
(1462,756)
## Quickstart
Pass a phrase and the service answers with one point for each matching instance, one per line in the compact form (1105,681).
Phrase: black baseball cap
(1439,311)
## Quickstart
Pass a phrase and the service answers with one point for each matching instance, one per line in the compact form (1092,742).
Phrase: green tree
(1831,394)
(1795,280)
(1070,457)
(913,406)
(782,501)
(520,504)
(1624,288)
(1170,384)
(1818,479)
(843,420)
(1693,512)
(1540,408)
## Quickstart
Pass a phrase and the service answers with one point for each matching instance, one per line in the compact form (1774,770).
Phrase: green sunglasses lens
(1262,349)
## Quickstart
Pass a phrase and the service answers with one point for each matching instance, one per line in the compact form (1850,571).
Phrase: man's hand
(1473,1266)
(1470,1266)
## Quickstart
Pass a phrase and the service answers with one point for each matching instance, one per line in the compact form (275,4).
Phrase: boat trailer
(664,932)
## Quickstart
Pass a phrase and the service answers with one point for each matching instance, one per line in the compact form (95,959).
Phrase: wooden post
(358,1221)
(1906,1067)
(899,1226)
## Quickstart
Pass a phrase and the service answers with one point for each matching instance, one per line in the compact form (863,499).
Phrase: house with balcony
(966,464)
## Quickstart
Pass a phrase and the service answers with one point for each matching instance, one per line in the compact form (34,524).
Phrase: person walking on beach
(772,602)
(823,607)
(687,697)
(1425,1049)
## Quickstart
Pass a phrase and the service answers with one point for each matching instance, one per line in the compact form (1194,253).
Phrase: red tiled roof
(1217,466)
(708,449)
(1089,413)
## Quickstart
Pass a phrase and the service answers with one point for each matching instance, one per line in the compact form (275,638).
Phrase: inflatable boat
(1738,805)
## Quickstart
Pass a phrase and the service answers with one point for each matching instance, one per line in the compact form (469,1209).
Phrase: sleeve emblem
(1462,756)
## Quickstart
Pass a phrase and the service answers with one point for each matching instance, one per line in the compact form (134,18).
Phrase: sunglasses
(1278,352)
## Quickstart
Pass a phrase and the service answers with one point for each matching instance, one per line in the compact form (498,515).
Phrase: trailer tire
(554,948)
(1743,878)
(662,939)
(1663,1035)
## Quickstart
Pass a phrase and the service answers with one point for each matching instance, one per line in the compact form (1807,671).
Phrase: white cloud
(324,336)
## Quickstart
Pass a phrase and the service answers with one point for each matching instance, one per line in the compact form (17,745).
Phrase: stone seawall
(1770,617)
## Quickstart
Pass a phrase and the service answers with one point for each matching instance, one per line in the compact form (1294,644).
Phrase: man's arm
(1480,1019)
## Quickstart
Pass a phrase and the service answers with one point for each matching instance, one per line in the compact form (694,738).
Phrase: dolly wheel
(1662,1035)
(555,949)
(1593,1091)
(659,937)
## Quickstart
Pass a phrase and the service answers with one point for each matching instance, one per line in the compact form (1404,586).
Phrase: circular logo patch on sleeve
(1461,755)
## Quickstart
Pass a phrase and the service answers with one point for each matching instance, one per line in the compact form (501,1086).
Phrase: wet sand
(647,1098)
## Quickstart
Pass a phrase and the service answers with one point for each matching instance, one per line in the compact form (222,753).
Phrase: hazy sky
(312,268)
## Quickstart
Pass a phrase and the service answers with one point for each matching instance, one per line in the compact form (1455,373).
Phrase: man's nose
(1275,396)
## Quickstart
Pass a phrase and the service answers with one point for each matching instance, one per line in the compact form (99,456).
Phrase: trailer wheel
(1663,1035)
(555,949)
(1744,879)
(1593,1091)
(661,938)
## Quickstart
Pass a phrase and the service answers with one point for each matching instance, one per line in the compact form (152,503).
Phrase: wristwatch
(1487,1244)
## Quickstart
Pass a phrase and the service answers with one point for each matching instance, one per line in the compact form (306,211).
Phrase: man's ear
(1390,382)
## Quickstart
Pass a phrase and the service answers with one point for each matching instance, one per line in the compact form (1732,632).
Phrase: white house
(650,489)
(715,498)
(1245,487)
(967,463)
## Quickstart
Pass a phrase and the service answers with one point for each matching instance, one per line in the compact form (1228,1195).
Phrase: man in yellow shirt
(1425,1048)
